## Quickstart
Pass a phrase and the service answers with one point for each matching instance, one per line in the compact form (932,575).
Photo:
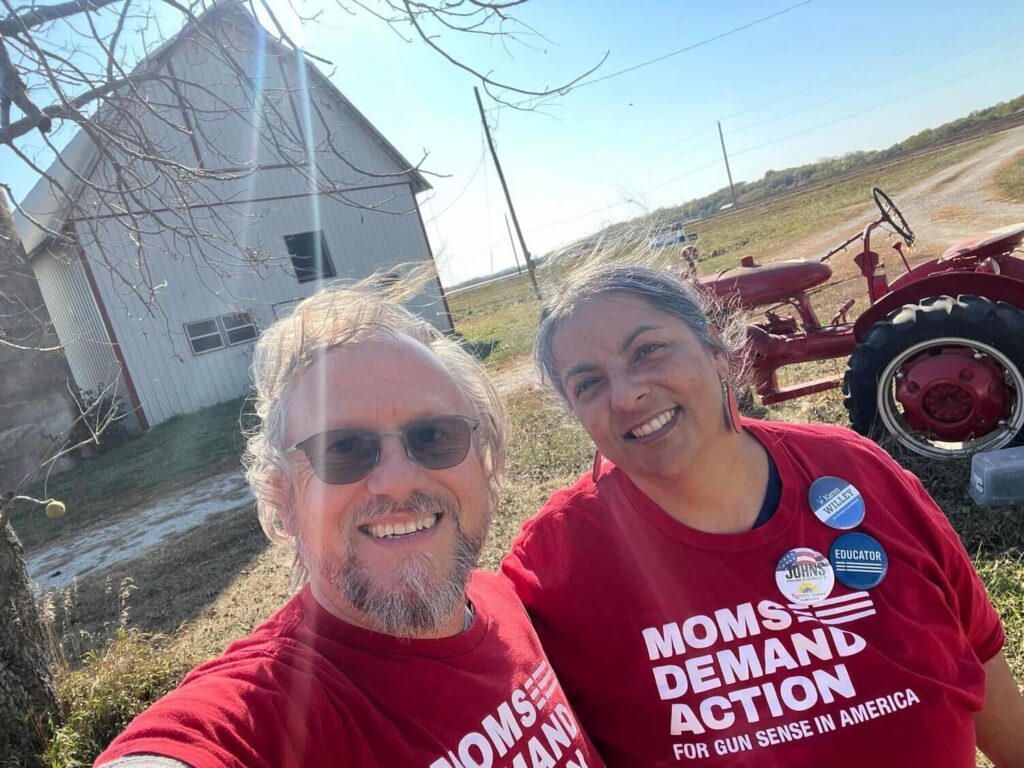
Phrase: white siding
(76,319)
(375,233)
(371,223)
(283,116)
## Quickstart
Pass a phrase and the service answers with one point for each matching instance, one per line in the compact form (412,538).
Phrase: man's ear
(285,509)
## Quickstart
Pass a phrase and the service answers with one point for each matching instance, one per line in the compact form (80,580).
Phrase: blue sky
(842,76)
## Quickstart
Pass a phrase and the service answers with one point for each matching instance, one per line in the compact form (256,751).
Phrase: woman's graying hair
(336,316)
(658,288)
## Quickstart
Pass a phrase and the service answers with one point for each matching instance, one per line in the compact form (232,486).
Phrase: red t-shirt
(306,689)
(674,644)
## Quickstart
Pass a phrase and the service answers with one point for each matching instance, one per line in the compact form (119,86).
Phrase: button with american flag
(805,576)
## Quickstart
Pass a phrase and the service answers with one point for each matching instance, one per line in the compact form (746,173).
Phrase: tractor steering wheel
(891,215)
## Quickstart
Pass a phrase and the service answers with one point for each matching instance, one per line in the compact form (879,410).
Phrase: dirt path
(949,205)
(130,536)
(960,201)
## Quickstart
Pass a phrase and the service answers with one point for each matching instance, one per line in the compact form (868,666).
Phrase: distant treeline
(793,178)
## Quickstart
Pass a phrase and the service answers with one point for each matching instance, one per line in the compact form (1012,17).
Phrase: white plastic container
(997,477)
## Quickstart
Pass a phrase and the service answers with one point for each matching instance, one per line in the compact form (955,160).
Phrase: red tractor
(937,359)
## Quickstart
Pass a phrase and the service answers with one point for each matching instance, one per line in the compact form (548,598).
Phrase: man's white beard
(426,593)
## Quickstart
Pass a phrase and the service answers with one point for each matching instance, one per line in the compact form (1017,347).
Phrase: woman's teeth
(654,424)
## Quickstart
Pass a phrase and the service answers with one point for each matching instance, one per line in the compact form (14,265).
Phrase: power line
(656,60)
(699,44)
(869,64)
(860,112)
(675,144)
(870,86)
(579,216)
(707,165)
(479,165)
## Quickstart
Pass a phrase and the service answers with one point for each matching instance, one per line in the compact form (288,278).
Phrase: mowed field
(126,635)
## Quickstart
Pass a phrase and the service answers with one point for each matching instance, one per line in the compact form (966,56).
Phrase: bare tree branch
(40,15)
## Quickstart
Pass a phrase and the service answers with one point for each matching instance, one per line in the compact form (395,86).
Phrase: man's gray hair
(658,288)
(338,316)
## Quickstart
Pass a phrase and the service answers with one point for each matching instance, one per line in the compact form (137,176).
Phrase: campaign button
(858,560)
(804,576)
(837,503)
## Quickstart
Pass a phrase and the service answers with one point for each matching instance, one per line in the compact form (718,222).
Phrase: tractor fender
(992,287)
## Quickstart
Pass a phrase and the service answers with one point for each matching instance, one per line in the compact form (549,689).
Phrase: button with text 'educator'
(804,576)
(859,560)
(837,503)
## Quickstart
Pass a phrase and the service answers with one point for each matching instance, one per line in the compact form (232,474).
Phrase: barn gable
(294,174)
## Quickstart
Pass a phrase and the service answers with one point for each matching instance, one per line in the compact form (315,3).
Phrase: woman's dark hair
(659,289)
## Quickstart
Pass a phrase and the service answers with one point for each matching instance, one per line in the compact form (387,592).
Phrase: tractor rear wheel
(944,377)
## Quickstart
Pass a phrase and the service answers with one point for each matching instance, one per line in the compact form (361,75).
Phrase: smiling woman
(748,580)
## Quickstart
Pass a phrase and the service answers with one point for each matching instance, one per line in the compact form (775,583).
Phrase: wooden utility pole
(728,172)
(508,198)
(519,269)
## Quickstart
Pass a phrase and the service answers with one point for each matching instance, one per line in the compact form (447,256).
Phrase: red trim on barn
(133,395)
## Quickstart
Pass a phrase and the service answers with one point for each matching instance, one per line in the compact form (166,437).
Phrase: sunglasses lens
(344,456)
(439,443)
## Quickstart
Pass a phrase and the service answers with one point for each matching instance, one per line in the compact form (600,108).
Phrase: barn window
(239,327)
(310,257)
(204,336)
(220,332)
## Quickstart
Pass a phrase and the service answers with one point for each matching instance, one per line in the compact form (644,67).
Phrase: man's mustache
(419,504)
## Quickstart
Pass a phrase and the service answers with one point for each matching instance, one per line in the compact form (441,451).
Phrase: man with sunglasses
(379,457)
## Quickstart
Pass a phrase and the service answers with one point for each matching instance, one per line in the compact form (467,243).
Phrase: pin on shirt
(837,503)
(859,560)
(804,576)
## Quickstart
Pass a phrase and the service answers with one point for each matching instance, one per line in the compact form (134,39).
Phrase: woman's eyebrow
(627,342)
(632,335)
(578,369)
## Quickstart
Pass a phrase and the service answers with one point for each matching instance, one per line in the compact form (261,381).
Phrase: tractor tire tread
(999,324)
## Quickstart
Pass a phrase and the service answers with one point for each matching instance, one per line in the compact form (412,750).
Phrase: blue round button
(858,560)
(837,503)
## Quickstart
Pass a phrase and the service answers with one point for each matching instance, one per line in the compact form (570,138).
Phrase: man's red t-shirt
(676,645)
(306,690)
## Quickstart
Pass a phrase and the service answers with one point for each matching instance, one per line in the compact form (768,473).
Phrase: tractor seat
(988,244)
(752,285)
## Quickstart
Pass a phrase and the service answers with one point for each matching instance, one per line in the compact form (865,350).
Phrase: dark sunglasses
(343,456)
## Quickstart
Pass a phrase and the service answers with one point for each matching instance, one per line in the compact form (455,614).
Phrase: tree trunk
(27,693)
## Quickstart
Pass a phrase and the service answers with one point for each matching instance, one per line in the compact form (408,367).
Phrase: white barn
(170,316)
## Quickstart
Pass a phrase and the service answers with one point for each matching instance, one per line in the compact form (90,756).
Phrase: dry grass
(1009,180)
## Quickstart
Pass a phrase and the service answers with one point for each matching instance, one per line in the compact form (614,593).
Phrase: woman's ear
(721,358)
(722,366)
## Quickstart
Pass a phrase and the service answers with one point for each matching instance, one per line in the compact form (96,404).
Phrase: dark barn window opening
(310,257)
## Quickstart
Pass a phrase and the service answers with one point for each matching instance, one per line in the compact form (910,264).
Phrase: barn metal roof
(44,208)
